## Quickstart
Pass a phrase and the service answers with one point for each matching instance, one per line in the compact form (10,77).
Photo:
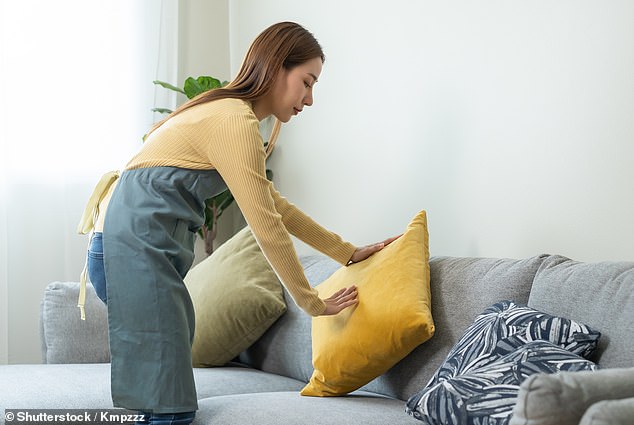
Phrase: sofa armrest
(609,412)
(563,398)
(65,338)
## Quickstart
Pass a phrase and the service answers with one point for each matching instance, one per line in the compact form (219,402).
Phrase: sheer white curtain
(76,97)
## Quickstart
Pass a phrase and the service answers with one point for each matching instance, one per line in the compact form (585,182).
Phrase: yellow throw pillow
(236,297)
(392,318)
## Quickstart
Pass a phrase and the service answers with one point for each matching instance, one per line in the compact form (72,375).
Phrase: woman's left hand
(365,251)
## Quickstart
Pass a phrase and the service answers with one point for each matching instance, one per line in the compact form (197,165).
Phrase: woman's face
(293,89)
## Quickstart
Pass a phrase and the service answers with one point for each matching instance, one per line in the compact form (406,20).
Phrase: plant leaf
(168,86)
(194,87)
(225,204)
(162,110)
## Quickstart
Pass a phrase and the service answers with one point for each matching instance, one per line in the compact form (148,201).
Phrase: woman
(157,206)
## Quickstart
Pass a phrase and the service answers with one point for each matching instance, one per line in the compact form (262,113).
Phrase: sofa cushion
(562,398)
(88,340)
(392,318)
(489,392)
(87,386)
(598,294)
(286,408)
(236,379)
(609,412)
(55,386)
(461,289)
(236,297)
(285,348)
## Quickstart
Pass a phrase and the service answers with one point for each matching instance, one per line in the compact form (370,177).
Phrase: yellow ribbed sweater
(224,135)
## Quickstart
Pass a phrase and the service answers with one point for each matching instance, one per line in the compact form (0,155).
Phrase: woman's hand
(341,299)
(365,251)
(347,297)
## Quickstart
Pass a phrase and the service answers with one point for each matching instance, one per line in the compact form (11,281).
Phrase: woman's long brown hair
(282,45)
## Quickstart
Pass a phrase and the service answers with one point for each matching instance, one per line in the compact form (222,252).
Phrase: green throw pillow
(236,297)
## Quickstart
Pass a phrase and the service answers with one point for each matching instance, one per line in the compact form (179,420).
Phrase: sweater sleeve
(237,152)
(308,230)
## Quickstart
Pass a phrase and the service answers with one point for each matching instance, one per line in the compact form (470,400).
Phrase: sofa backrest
(600,295)
(286,348)
(461,289)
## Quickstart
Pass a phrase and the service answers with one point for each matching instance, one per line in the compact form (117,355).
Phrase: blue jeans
(168,418)
(96,270)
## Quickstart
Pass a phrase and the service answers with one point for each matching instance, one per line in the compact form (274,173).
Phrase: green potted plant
(215,206)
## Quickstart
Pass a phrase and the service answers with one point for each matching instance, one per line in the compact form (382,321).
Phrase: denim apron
(148,244)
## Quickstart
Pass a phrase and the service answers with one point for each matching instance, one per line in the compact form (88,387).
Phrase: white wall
(510,122)
(203,39)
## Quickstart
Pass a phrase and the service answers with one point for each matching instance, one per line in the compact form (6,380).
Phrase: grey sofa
(262,385)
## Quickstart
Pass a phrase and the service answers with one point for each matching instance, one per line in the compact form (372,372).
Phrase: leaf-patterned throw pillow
(486,395)
(479,381)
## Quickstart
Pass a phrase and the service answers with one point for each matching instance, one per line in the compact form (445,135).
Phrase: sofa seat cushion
(87,386)
(284,408)
(220,381)
(55,386)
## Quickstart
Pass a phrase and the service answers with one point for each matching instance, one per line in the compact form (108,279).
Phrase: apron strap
(91,211)
(86,225)
(81,302)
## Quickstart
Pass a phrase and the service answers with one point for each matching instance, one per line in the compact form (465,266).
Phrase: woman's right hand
(340,300)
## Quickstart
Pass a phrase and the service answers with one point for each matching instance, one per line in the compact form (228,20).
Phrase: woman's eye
(306,85)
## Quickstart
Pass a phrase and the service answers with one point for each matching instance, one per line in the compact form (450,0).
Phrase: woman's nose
(308,100)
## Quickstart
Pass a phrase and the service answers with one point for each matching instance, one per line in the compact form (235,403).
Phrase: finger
(368,250)
(392,239)
(371,249)
(346,292)
(335,306)
(339,307)
(341,292)
(377,246)
(347,297)
(347,304)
